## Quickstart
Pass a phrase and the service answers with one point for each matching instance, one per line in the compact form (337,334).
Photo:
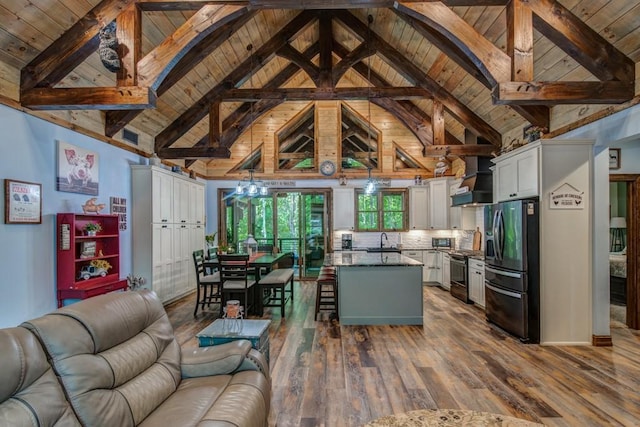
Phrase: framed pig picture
(78,170)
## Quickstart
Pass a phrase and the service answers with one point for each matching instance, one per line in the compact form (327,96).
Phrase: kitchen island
(378,288)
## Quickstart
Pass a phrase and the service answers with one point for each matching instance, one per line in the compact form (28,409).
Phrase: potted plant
(92,228)
(222,248)
(210,239)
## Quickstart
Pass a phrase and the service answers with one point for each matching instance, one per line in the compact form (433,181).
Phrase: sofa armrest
(222,359)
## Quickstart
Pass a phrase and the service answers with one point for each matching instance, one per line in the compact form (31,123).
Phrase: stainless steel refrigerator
(512,270)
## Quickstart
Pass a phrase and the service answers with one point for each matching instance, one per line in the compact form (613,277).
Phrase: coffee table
(255,331)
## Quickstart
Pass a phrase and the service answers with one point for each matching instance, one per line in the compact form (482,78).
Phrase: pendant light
(370,186)
(249,186)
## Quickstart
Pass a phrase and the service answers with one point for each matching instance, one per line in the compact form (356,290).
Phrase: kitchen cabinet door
(476,282)
(343,209)
(446,271)
(517,175)
(418,212)
(432,266)
(439,204)
(162,196)
(181,209)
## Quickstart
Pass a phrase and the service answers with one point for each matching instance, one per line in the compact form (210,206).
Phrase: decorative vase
(154,160)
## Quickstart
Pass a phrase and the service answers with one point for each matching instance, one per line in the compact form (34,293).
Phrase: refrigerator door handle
(498,228)
(503,273)
(502,291)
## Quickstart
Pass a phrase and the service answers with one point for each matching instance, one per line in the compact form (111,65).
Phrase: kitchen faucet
(385,237)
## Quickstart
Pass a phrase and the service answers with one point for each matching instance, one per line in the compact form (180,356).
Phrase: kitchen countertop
(365,259)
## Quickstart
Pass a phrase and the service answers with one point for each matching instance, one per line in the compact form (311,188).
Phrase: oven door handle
(502,291)
(503,273)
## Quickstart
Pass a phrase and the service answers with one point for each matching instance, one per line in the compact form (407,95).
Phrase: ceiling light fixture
(370,186)
(250,186)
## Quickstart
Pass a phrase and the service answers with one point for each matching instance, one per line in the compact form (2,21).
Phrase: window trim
(380,193)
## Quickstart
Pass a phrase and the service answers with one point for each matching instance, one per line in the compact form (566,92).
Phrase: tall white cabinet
(167,226)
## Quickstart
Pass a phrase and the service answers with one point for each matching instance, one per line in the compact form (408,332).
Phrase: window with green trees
(384,210)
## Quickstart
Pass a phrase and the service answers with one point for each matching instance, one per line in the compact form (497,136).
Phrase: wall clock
(327,168)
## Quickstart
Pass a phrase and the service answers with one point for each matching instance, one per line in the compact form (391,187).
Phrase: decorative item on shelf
(618,228)
(250,245)
(176,169)
(250,186)
(92,228)
(441,167)
(210,239)
(192,174)
(88,249)
(91,206)
(97,267)
(233,315)
(614,158)
(223,248)
(342,180)
(417,180)
(370,186)
(135,282)
(532,133)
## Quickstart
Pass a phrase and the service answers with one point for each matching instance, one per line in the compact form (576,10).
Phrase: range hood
(477,184)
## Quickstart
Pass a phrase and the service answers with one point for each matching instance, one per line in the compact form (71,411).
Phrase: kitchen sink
(396,250)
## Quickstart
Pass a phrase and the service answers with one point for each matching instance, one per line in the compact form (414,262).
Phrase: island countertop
(369,259)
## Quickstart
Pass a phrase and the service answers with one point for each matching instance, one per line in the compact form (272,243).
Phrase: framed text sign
(22,202)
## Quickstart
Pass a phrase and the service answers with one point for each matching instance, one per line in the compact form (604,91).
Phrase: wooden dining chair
(236,279)
(208,282)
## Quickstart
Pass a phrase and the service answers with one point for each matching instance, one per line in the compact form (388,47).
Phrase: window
(384,210)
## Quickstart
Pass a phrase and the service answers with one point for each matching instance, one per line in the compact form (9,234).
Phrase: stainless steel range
(459,266)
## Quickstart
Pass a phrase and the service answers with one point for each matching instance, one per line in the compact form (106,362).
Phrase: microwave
(443,242)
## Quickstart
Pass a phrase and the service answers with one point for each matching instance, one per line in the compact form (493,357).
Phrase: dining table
(259,261)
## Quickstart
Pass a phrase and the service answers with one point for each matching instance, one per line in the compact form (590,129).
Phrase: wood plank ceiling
(441,69)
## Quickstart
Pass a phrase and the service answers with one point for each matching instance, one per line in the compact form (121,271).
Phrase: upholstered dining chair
(208,282)
(236,279)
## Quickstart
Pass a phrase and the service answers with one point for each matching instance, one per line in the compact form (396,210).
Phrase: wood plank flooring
(324,374)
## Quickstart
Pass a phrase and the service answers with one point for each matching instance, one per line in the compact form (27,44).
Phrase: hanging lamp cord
(251,168)
(369,21)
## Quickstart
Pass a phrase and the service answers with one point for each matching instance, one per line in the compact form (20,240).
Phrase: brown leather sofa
(113,360)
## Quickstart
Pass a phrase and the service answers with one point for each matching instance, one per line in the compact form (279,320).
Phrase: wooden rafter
(416,76)
(87,98)
(325,39)
(116,120)
(236,78)
(610,92)
(330,93)
(288,52)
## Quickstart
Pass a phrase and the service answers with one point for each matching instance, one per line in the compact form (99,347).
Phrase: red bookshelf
(81,259)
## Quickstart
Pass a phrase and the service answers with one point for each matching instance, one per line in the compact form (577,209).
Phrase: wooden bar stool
(327,292)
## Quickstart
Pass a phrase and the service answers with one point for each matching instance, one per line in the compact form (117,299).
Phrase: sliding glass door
(293,221)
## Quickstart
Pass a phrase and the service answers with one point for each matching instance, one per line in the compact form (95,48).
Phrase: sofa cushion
(115,354)
(30,394)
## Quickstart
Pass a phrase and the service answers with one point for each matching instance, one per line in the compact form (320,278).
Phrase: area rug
(449,417)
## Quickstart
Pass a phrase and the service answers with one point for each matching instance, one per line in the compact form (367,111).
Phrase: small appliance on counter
(443,242)
(347,241)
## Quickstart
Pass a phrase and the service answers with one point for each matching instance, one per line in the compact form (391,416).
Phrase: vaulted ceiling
(195,75)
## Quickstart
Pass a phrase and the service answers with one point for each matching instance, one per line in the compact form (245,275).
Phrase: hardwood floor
(327,375)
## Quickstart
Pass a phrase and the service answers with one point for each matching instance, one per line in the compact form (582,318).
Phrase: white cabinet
(432,271)
(446,271)
(343,209)
(417,255)
(167,218)
(517,174)
(460,218)
(476,281)
(418,213)
(439,204)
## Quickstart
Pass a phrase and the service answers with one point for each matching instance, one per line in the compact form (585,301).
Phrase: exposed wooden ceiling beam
(116,120)
(485,55)
(581,42)
(320,4)
(325,38)
(461,150)
(72,48)
(194,153)
(288,52)
(235,78)
(415,75)
(158,63)
(520,40)
(86,98)
(341,93)
(558,93)
(350,59)
(129,33)
(437,122)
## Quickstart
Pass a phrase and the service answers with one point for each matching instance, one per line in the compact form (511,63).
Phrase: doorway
(290,220)
(632,241)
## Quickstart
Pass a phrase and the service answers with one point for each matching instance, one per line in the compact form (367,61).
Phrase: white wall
(619,130)
(28,251)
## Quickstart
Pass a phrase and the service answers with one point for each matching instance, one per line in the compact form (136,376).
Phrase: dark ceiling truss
(509,75)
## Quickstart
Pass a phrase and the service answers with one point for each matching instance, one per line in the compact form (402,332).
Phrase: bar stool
(327,291)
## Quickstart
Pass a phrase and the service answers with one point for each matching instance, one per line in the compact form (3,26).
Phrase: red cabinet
(87,265)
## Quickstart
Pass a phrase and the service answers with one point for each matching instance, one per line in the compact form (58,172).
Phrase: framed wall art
(78,170)
(614,158)
(22,202)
